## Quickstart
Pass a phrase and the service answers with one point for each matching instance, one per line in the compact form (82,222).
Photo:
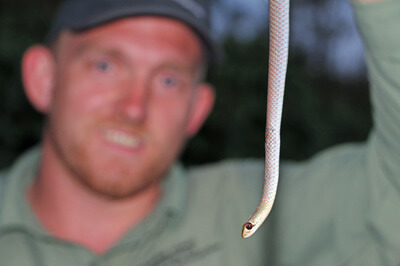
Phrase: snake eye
(249,226)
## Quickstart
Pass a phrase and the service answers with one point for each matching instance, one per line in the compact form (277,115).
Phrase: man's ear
(38,76)
(203,103)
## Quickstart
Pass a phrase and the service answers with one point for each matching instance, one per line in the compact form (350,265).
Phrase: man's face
(125,100)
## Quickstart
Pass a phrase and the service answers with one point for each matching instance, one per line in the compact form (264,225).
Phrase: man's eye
(168,82)
(103,65)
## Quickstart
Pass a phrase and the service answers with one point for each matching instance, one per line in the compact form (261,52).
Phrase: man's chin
(117,190)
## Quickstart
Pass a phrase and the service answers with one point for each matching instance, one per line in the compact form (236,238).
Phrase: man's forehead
(148,30)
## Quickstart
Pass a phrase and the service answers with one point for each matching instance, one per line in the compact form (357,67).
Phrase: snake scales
(278,56)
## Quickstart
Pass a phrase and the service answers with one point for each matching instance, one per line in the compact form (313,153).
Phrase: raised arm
(341,206)
(378,24)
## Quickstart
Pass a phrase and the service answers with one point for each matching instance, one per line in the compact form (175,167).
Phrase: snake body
(278,55)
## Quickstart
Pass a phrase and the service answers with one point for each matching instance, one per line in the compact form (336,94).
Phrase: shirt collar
(15,211)
(168,212)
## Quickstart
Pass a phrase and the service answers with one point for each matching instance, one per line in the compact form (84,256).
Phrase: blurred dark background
(326,99)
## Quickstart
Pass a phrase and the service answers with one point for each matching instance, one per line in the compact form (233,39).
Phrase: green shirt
(198,222)
(342,207)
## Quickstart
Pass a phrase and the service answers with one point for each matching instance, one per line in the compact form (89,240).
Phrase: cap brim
(80,22)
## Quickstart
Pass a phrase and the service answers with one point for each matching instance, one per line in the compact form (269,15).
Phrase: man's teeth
(121,138)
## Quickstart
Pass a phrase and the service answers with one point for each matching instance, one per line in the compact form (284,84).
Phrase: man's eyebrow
(88,49)
(83,48)
(176,66)
(188,71)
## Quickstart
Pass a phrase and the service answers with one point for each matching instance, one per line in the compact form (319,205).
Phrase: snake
(277,67)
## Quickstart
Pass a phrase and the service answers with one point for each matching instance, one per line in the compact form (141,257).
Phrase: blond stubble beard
(111,186)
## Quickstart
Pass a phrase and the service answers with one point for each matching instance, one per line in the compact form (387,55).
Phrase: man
(121,84)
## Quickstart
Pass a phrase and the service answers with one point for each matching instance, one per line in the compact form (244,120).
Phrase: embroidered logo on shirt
(183,254)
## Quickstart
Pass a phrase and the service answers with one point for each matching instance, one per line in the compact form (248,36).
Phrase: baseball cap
(80,15)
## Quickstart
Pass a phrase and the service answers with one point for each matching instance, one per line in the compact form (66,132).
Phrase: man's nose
(133,102)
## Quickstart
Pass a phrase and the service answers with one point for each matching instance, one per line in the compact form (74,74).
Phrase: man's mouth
(122,138)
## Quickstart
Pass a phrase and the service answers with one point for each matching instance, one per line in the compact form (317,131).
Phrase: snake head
(249,228)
